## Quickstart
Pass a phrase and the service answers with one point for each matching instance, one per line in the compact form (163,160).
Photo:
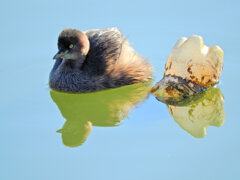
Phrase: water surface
(125,133)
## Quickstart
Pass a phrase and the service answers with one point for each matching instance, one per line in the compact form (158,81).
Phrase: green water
(102,109)
(122,133)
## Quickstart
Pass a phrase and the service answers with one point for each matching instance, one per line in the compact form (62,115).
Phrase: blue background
(148,144)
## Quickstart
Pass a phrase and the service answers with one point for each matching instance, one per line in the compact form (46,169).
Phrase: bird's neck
(76,63)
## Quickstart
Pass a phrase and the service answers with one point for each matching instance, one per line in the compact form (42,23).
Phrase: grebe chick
(96,60)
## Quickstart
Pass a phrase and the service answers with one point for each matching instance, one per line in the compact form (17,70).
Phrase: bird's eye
(71,46)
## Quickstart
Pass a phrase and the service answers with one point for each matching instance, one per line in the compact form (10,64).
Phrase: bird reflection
(196,113)
(104,108)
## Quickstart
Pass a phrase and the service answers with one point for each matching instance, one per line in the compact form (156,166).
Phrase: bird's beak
(58,55)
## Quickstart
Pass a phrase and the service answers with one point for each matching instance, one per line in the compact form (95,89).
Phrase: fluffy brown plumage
(96,60)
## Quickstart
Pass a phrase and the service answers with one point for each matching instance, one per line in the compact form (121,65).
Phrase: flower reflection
(105,108)
(196,113)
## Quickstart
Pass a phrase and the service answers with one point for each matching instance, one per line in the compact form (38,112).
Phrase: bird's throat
(76,63)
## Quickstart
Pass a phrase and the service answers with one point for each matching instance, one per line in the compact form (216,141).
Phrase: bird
(95,60)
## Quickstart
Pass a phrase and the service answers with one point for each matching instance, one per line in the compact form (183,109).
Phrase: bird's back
(105,49)
(130,67)
(111,54)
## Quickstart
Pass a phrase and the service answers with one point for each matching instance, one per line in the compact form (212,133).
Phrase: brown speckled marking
(154,88)
(214,76)
(165,66)
(189,70)
(171,112)
(202,79)
(169,90)
(192,77)
(170,65)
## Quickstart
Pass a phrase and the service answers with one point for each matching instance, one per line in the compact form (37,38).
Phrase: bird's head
(72,44)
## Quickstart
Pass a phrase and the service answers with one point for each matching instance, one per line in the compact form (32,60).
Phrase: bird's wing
(105,48)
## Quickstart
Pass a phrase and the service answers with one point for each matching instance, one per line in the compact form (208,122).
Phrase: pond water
(122,133)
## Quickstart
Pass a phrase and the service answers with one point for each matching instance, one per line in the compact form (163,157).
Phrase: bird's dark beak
(58,55)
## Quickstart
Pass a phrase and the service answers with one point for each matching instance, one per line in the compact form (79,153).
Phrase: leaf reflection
(197,112)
